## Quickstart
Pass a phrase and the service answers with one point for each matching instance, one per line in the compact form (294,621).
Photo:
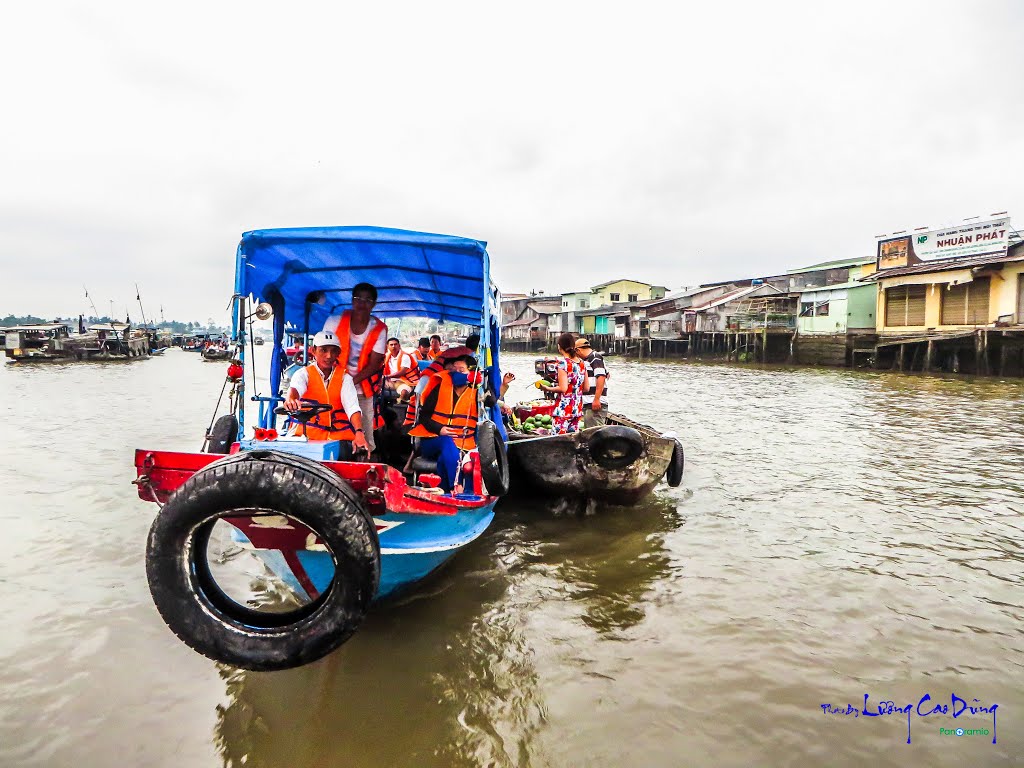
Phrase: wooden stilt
(1002,357)
(899,359)
(977,353)
(929,357)
(913,359)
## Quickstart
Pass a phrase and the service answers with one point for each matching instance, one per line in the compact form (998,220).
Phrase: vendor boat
(319,538)
(618,463)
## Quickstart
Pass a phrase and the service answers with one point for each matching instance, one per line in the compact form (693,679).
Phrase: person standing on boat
(363,339)
(447,419)
(595,410)
(572,377)
(400,370)
(325,381)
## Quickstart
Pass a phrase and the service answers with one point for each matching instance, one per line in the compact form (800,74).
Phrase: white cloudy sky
(675,143)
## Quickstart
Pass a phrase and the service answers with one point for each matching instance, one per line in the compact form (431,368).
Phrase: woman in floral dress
(572,377)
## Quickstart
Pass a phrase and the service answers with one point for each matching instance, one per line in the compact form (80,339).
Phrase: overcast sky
(673,143)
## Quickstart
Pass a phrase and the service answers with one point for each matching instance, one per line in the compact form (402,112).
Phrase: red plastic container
(525,412)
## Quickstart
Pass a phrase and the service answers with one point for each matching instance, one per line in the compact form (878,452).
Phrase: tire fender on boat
(674,475)
(493,459)
(204,617)
(223,434)
(615,446)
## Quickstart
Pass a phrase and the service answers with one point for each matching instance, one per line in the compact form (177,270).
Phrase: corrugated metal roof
(851,284)
(731,296)
(947,264)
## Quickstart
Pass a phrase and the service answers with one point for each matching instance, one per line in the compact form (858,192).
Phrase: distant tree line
(173,326)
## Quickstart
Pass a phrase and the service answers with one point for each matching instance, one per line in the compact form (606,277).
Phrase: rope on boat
(143,482)
(213,418)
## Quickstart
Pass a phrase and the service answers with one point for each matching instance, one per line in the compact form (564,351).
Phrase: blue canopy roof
(416,274)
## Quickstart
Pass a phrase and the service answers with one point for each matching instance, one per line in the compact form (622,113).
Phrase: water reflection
(448,676)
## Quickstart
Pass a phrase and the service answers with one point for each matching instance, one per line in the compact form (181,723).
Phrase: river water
(836,534)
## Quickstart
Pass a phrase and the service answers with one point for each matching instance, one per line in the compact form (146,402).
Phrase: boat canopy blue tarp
(416,274)
(314,269)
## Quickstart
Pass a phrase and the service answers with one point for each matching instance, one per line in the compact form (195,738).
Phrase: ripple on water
(836,533)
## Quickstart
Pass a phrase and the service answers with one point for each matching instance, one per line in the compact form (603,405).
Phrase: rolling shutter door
(977,301)
(895,306)
(967,303)
(915,304)
(954,304)
(904,305)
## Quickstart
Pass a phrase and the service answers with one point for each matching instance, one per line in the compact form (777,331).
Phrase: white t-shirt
(399,363)
(356,341)
(349,396)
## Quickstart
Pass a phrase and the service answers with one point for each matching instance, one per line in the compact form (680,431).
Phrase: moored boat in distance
(53,342)
(268,557)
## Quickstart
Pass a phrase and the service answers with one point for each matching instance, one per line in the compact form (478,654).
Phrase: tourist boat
(326,537)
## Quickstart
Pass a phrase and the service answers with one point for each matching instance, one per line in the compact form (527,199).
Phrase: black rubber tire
(493,459)
(674,475)
(223,434)
(208,621)
(615,446)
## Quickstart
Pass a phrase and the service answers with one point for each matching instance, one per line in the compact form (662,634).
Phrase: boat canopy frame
(307,274)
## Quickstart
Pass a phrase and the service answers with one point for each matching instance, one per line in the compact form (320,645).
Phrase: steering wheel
(310,410)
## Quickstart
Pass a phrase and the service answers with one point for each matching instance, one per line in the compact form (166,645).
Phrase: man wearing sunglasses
(363,341)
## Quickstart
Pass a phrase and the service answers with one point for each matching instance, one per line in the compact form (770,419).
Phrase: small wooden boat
(215,353)
(329,536)
(618,463)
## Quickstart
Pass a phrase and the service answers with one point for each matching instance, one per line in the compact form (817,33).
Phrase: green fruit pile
(540,421)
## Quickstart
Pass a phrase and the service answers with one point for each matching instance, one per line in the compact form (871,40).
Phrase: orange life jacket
(334,424)
(421,355)
(372,383)
(405,360)
(456,411)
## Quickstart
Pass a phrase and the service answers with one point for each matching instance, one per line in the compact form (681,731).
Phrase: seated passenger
(400,370)
(327,382)
(447,419)
(422,350)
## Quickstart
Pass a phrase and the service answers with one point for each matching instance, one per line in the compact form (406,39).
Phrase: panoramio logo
(964,732)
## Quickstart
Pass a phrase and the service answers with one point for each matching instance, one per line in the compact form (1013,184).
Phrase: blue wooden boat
(332,536)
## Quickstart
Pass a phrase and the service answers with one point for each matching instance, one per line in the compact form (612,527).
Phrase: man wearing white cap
(327,382)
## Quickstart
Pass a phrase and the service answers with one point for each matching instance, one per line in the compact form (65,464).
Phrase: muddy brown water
(837,534)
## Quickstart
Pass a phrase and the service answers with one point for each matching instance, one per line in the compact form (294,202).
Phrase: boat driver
(325,381)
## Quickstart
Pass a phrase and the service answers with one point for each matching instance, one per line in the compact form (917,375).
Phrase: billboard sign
(976,238)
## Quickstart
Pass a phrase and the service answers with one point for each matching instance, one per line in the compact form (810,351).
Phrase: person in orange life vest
(327,382)
(400,370)
(435,346)
(447,419)
(422,349)
(363,339)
